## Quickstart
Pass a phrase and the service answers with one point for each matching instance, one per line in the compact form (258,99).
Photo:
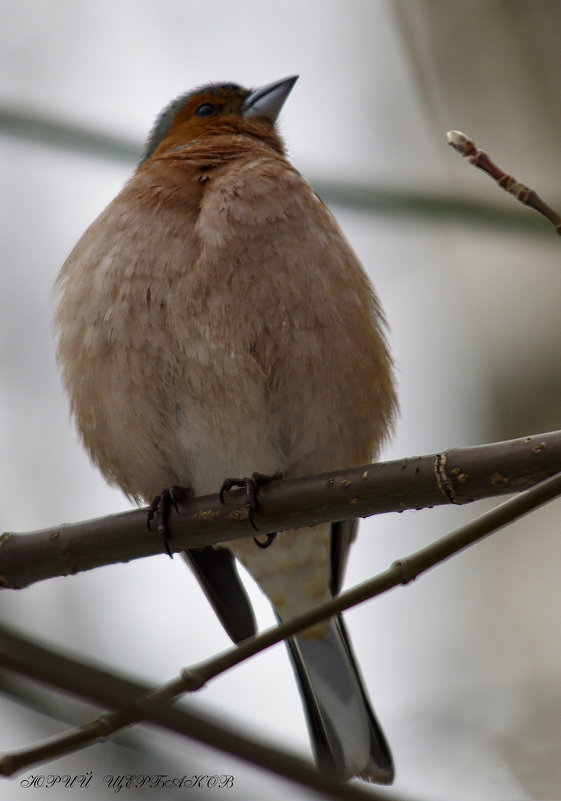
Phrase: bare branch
(402,571)
(101,687)
(479,158)
(456,476)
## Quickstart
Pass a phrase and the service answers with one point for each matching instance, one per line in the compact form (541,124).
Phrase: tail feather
(346,737)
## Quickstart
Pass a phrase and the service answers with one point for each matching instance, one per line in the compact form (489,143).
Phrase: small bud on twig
(479,158)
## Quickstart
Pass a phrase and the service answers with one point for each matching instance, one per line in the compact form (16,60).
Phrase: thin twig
(402,571)
(458,476)
(479,158)
(109,690)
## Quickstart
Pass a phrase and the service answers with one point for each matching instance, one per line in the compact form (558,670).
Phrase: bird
(214,322)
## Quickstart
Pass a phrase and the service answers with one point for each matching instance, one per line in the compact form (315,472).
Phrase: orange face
(212,110)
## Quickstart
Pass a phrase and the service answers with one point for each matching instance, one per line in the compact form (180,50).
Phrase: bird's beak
(267,101)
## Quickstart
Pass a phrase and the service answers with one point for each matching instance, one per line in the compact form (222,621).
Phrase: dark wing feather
(215,569)
(342,535)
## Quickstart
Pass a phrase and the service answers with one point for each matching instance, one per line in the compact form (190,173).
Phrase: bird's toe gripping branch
(251,485)
(161,506)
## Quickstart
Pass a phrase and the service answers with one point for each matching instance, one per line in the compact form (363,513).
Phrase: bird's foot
(251,484)
(161,505)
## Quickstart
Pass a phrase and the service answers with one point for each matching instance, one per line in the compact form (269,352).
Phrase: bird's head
(220,108)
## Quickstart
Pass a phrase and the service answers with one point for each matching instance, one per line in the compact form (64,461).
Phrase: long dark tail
(346,737)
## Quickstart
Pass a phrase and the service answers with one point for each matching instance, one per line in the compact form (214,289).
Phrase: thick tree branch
(456,476)
(402,571)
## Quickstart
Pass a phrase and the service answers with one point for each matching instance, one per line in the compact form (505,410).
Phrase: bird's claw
(251,484)
(268,540)
(161,505)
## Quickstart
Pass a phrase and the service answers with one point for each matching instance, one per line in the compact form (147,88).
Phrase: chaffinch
(213,321)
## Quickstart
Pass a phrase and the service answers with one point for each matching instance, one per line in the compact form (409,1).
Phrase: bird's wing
(342,535)
(215,569)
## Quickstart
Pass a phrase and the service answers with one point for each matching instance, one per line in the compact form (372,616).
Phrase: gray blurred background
(463,666)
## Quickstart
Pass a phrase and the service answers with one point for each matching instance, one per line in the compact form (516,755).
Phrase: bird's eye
(205,110)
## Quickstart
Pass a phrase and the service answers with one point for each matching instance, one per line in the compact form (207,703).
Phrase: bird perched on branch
(214,322)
